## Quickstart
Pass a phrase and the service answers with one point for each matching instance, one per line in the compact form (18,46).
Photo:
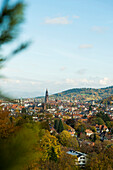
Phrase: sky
(72,47)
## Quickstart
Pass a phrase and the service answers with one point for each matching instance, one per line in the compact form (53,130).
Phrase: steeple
(46,96)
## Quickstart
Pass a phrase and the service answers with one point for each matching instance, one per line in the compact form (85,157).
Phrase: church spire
(46,96)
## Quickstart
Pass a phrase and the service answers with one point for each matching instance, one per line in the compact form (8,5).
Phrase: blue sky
(72,46)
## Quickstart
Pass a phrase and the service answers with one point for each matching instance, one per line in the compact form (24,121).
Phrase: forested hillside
(86,94)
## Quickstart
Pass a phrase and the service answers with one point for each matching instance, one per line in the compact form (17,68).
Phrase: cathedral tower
(46,96)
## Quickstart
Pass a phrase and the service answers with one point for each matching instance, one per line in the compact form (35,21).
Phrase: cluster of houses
(63,109)
(59,108)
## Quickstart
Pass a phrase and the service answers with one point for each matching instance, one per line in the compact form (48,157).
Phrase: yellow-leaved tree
(51,147)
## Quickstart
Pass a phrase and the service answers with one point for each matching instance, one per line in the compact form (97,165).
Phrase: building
(81,157)
(88,132)
(101,128)
(46,97)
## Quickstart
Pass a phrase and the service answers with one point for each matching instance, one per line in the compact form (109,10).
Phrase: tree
(100,161)
(103,116)
(66,127)
(23,110)
(6,126)
(56,124)
(21,148)
(51,147)
(11,16)
(60,126)
(93,128)
(64,138)
(109,124)
(86,148)
(94,138)
(90,108)
(81,128)
(45,125)
(109,151)
(66,161)
(99,121)
(96,120)
(70,122)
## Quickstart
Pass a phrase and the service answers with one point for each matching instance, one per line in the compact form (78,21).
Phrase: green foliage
(99,121)
(60,126)
(94,137)
(23,110)
(66,139)
(93,128)
(23,119)
(45,125)
(56,122)
(109,124)
(48,106)
(66,127)
(96,120)
(103,116)
(90,108)
(13,15)
(87,94)
(81,127)
(20,149)
(70,122)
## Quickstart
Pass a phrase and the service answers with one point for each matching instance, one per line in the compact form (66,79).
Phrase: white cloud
(76,17)
(58,20)
(86,46)
(70,81)
(17,81)
(99,29)
(88,82)
(29,87)
(105,81)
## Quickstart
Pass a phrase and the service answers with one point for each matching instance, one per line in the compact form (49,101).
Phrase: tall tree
(56,124)
(60,126)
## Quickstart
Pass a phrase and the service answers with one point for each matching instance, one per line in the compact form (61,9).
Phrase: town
(88,122)
(56,93)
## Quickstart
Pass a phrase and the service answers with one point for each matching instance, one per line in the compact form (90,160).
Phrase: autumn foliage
(6,126)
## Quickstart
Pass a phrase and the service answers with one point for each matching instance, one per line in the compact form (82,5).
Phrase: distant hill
(86,94)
